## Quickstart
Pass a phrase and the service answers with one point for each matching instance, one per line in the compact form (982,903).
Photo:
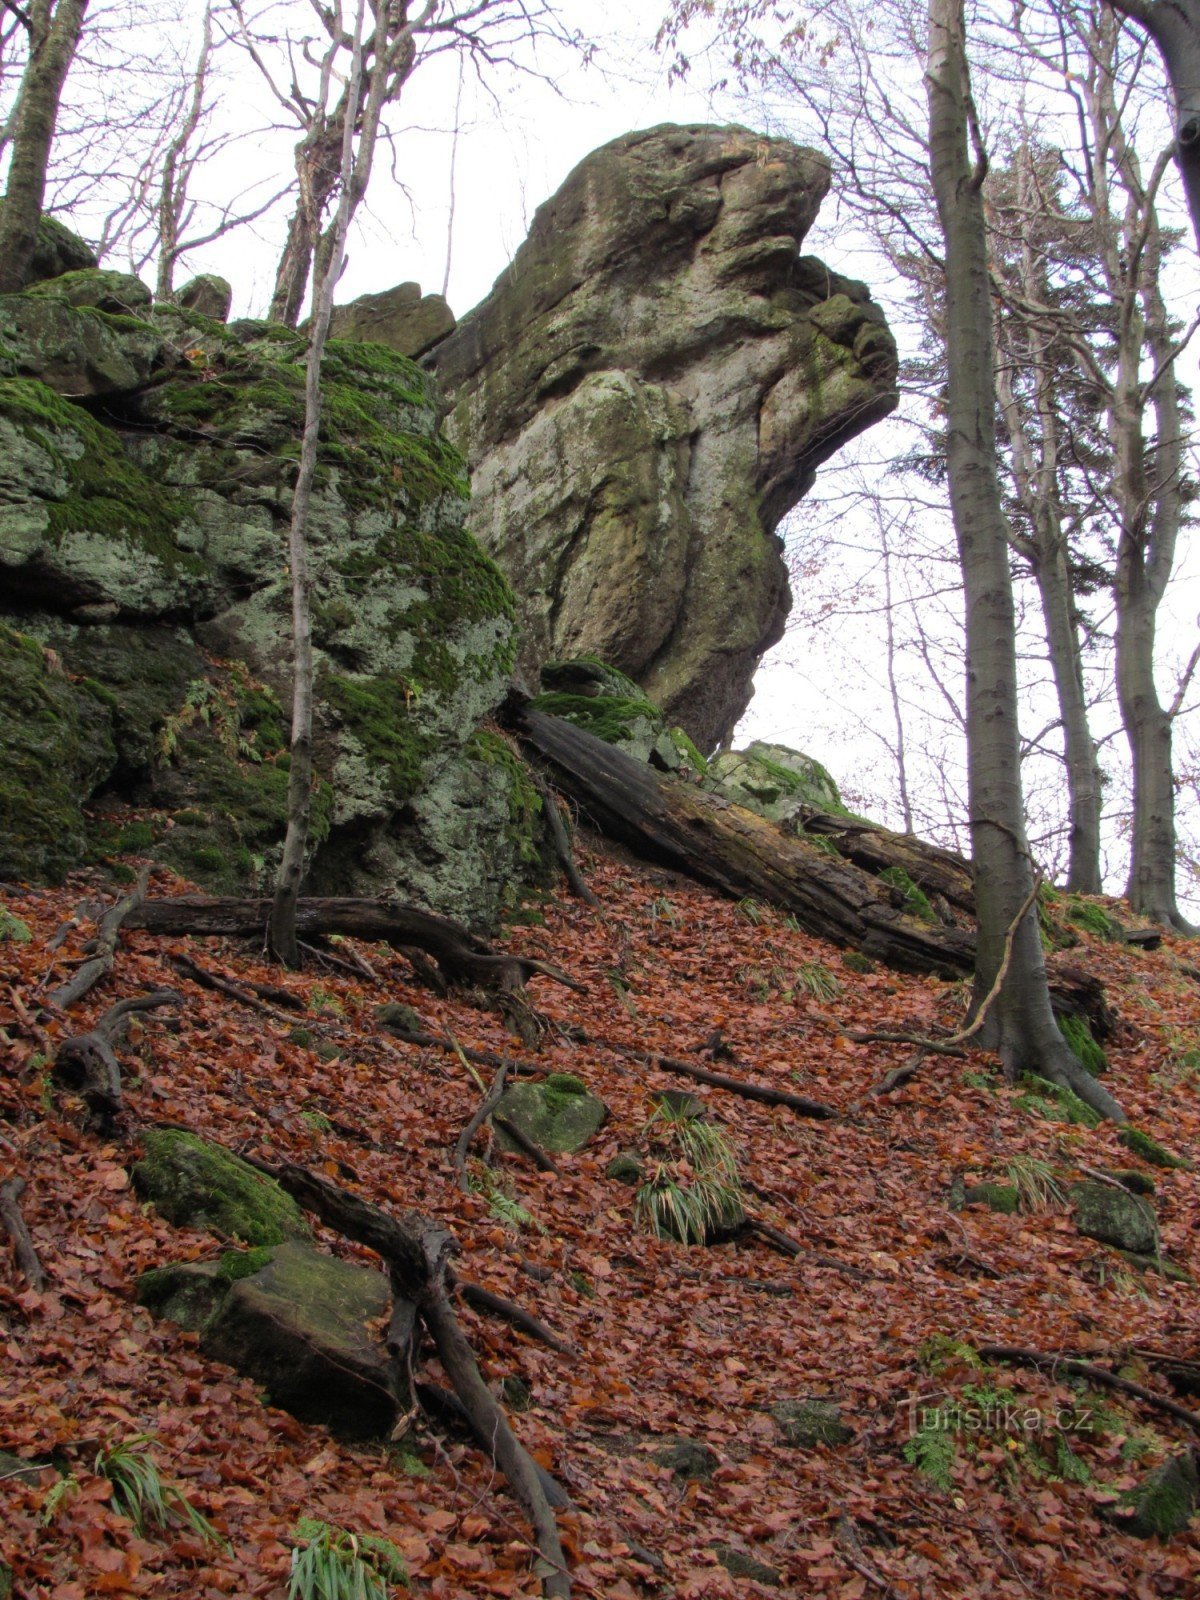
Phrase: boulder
(1114,1216)
(687,1459)
(98,288)
(559,1114)
(208,296)
(195,1184)
(295,1320)
(57,250)
(649,387)
(148,552)
(809,1423)
(402,318)
(1163,1504)
(773,780)
(598,698)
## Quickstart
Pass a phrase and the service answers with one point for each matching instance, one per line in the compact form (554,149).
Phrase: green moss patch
(197,1184)
(1149,1150)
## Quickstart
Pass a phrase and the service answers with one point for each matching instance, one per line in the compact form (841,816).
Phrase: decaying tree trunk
(741,854)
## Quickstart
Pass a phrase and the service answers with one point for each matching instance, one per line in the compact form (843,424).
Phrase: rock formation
(646,391)
(145,470)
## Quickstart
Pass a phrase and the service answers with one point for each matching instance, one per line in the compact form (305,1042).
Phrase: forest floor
(890,1288)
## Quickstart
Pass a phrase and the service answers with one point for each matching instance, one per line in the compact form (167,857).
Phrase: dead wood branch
(482,1112)
(495,1305)
(87,1063)
(787,1246)
(1086,1369)
(222,985)
(104,948)
(562,841)
(417,1254)
(748,1091)
(15,1226)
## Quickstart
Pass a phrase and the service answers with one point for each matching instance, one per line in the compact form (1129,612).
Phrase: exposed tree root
(482,1112)
(15,1226)
(761,1092)
(87,1063)
(542,1161)
(104,947)
(562,842)
(787,1246)
(417,1254)
(1086,1369)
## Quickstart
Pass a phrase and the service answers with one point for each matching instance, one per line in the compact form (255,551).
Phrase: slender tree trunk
(1020,1024)
(282,931)
(54,38)
(317,172)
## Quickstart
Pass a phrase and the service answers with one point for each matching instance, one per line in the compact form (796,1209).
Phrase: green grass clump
(689,1207)
(813,978)
(140,1493)
(334,1564)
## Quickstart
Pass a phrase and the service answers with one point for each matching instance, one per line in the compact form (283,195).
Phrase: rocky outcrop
(649,387)
(146,463)
(402,318)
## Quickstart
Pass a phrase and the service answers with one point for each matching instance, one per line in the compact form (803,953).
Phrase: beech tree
(53,29)
(1010,970)
(1174,25)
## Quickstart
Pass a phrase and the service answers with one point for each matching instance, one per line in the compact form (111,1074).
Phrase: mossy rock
(57,250)
(1114,1216)
(56,747)
(1163,1504)
(295,1320)
(774,781)
(689,1460)
(558,1114)
(79,351)
(740,1564)
(208,296)
(200,1185)
(12,929)
(809,1423)
(1001,1197)
(1148,1149)
(606,704)
(117,293)
(23,1471)
(626,1167)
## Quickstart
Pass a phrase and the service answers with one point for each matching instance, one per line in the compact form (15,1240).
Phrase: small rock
(740,1564)
(558,1114)
(208,295)
(1163,1504)
(12,928)
(679,1103)
(1000,1197)
(402,318)
(117,293)
(687,1458)
(626,1167)
(400,1019)
(1116,1217)
(515,1392)
(808,1423)
(16,1467)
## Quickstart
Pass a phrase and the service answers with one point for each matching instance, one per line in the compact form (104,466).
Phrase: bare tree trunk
(54,32)
(1021,1024)
(282,932)
(1174,25)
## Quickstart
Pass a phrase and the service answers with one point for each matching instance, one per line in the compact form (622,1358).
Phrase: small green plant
(1095,920)
(750,911)
(57,1496)
(913,898)
(1077,1031)
(325,1002)
(222,710)
(140,1493)
(694,1189)
(1036,1184)
(661,910)
(334,1564)
(500,1200)
(941,1350)
(931,1450)
(816,979)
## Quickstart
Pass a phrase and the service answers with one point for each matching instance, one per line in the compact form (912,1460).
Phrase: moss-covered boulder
(200,1185)
(80,351)
(604,702)
(295,1320)
(57,250)
(648,388)
(148,551)
(98,288)
(809,1423)
(1114,1216)
(402,318)
(1002,1197)
(776,782)
(56,746)
(558,1114)
(208,295)
(1163,1504)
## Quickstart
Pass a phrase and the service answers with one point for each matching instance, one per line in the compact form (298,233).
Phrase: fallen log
(461,955)
(748,1090)
(738,852)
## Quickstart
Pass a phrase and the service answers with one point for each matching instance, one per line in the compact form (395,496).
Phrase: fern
(932,1452)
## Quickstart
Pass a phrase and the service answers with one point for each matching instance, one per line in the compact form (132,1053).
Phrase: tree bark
(1020,1026)
(54,33)
(1174,25)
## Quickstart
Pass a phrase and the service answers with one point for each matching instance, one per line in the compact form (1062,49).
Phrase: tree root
(87,1063)
(787,1246)
(482,1112)
(495,1305)
(542,1161)
(417,1254)
(748,1091)
(1085,1369)
(14,1225)
(561,841)
(105,946)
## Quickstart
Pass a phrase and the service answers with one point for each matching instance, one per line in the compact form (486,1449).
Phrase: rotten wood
(103,948)
(15,1226)
(461,956)
(1086,1369)
(417,1254)
(87,1063)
